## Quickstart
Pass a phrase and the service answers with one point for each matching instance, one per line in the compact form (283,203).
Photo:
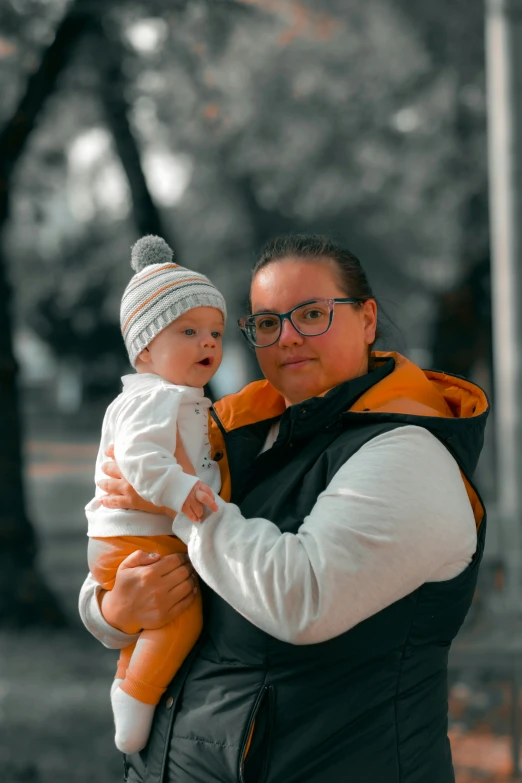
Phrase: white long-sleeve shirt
(394,516)
(142,423)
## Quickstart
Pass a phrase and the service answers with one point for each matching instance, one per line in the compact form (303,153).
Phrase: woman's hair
(314,247)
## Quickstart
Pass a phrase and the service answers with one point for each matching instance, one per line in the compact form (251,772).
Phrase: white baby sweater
(142,423)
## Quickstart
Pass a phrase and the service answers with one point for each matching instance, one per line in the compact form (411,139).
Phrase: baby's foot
(132,719)
(115,684)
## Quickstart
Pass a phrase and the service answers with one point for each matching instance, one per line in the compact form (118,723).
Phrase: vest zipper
(218,421)
(249,733)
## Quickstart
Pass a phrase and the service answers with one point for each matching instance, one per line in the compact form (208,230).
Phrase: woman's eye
(266,323)
(189,332)
(313,314)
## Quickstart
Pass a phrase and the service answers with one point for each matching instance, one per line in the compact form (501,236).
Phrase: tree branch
(40,85)
(113,88)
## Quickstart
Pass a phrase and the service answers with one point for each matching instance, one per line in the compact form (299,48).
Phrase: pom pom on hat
(149,250)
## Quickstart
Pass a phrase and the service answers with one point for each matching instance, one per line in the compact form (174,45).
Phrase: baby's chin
(203,376)
(195,376)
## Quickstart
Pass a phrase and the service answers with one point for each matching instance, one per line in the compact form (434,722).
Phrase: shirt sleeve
(395,515)
(144,445)
(95,622)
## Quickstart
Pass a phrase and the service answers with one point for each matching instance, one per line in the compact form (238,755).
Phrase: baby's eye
(216,335)
(189,332)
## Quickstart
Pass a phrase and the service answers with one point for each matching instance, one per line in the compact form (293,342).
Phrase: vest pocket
(255,748)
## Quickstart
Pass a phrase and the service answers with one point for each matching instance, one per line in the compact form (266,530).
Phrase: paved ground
(54,693)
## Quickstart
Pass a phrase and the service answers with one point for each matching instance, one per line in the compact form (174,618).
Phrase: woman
(335,583)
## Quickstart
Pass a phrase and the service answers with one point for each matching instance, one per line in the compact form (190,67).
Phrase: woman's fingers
(186,591)
(179,607)
(181,590)
(110,451)
(174,568)
(139,558)
(116,501)
(111,469)
(111,486)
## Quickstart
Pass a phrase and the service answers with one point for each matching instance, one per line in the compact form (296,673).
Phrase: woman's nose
(289,334)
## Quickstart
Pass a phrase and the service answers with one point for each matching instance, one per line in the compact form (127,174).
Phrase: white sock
(132,719)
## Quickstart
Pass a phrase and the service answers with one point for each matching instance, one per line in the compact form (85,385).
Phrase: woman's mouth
(295,363)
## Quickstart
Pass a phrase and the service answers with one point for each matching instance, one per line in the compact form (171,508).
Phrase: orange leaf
(211,111)
(7,48)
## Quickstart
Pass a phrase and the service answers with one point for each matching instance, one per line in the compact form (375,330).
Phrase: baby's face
(188,351)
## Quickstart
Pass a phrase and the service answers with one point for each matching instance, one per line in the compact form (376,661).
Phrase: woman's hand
(149,591)
(121,494)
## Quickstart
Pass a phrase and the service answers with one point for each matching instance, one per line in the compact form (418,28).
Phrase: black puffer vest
(369,706)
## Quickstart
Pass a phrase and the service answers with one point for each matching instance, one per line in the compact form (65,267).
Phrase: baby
(172,321)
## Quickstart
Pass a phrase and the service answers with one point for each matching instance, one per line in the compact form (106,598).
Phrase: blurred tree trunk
(24,597)
(113,87)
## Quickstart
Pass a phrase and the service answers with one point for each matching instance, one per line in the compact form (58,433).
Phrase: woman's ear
(369,309)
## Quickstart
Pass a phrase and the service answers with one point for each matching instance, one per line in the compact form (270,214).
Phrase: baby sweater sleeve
(144,445)
(94,620)
(395,515)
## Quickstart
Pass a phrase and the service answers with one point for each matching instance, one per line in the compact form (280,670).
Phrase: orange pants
(147,666)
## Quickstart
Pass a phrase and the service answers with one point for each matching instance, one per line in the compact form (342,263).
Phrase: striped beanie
(160,292)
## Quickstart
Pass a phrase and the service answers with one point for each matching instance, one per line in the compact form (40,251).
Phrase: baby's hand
(200,495)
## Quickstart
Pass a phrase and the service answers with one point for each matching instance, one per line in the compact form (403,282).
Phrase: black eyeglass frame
(245,319)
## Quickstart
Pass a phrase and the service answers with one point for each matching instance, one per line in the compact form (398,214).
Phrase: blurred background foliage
(363,120)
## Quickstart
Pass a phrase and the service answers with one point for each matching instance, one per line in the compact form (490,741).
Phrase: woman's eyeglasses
(309,319)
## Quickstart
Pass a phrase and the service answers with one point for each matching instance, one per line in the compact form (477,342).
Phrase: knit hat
(160,292)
